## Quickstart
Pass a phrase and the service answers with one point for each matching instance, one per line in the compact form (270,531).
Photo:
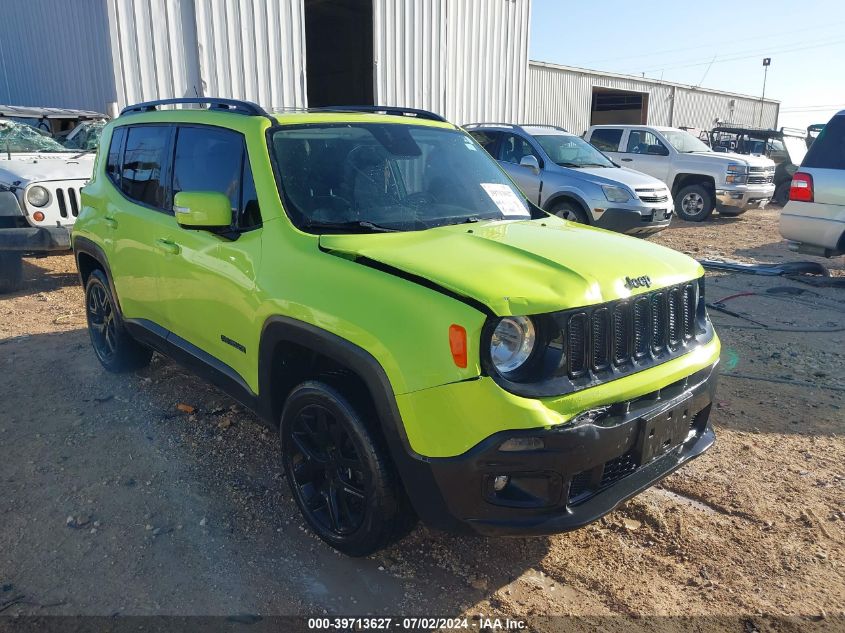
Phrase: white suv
(700,179)
(813,221)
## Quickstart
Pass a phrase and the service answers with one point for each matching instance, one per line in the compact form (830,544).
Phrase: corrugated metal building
(465,59)
(104,54)
(575,98)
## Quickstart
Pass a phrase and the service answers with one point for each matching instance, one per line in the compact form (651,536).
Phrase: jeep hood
(522,266)
(29,168)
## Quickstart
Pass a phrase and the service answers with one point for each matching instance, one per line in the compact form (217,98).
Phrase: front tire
(116,350)
(339,471)
(570,211)
(694,203)
(11,272)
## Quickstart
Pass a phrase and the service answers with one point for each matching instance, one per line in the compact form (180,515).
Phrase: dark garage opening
(618,107)
(339,52)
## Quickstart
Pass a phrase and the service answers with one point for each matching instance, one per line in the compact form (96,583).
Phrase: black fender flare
(412,468)
(92,249)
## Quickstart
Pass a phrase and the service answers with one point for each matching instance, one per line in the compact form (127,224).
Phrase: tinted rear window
(828,150)
(145,153)
(606,140)
(113,159)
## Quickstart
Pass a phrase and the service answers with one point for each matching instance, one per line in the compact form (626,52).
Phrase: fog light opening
(500,482)
(517,444)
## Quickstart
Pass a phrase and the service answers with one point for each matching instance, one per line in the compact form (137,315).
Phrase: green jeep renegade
(428,342)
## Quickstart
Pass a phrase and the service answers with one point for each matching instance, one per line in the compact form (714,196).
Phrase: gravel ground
(116,501)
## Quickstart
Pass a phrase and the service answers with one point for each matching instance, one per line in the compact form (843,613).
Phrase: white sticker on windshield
(508,202)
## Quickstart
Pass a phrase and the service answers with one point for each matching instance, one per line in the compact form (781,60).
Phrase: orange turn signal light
(38,216)
(458,344)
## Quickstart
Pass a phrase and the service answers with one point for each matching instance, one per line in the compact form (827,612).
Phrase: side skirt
(192,357)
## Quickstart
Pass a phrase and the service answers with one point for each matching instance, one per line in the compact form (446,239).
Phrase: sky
(710,43)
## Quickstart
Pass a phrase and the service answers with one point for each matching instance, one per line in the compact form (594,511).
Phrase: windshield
(18,137)
(797,148)
(85,136)
(572,151)
(684,142)
(353,177)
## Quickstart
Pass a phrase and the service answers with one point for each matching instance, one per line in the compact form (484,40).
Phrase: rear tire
(11,271)
(570,211)
(694,203)
(116,350)
(339,471)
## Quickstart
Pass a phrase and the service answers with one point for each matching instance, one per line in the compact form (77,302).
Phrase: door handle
(110,222)
(168,247)
(627,160)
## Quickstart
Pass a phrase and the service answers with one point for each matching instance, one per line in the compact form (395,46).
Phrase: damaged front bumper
(34,239)
(568,476)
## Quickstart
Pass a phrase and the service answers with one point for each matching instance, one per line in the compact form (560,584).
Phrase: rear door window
(145,163)
(828,150)
(114,155)
(606,139)
(487,140)
(214,159)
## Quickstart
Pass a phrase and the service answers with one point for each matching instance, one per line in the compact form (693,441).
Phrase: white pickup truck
(701,180)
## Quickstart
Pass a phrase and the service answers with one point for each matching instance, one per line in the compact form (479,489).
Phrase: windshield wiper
(573,165)
(354,224)
(83,152)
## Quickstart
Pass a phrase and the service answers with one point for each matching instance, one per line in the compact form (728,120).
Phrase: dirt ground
(115,502)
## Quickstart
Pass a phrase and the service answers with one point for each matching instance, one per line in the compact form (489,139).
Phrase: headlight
(736,174)
(512,343)
(38,196)
(615,194)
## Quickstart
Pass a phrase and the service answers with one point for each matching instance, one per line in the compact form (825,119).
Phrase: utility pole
(766,63)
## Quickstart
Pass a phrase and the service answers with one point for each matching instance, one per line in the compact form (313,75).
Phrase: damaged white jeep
(40,199)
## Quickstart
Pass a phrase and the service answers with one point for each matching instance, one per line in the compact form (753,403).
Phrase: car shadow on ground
(39,276)
(171,469)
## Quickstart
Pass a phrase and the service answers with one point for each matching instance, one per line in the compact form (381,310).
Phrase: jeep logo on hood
(644,281)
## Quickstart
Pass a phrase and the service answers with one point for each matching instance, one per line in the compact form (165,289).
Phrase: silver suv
(565,175)
(813,221)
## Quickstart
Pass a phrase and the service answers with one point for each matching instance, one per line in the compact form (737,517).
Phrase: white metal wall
(253,50)
(563,96)
(695,108)
(242,49)
(55,57)
(153,49)
(464,59)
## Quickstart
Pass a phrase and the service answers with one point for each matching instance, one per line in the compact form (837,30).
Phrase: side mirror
(531,162)
(657,150)
(202,210)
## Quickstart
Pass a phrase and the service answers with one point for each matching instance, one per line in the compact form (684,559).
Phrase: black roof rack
(379,109)
(235,106)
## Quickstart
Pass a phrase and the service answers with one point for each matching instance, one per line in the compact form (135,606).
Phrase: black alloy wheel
(116,350)
(101,323)
(339,469)
(328,474)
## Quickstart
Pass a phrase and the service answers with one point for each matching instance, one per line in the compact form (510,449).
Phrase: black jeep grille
(583,347)
(625,331)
